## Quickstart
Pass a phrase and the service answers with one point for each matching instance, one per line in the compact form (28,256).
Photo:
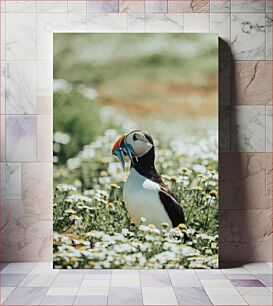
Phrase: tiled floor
(39,284)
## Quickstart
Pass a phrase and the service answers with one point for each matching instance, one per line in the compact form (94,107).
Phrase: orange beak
(117,143)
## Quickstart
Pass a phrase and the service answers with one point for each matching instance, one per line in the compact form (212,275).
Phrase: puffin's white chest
(141,197)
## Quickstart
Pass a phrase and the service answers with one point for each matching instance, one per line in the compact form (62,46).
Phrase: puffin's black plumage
(145,166)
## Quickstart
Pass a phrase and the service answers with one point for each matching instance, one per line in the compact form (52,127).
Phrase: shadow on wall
(239,240)
(227,169)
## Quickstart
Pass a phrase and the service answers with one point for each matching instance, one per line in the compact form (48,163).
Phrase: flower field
(91,224)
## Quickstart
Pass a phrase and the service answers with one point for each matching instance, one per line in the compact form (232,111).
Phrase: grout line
(107,301)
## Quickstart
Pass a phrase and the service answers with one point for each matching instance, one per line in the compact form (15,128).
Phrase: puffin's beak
(120,149)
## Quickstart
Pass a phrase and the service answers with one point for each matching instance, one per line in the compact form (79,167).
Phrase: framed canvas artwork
(135,151)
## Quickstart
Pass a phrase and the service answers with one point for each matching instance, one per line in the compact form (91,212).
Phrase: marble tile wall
(245,31)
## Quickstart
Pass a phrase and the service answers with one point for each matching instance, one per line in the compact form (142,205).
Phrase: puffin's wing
(172,207)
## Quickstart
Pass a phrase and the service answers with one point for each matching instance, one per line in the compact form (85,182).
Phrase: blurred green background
(106,81)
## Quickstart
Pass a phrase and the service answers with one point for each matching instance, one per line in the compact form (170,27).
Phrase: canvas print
(135,151)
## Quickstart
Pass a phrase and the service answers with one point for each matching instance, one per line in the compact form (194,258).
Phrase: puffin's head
(134,144)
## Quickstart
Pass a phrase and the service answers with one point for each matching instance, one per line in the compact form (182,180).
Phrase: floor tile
(246,283)
(62,291)
(98,271)
(86,291)
(208,275)
(149,279)
(192,296)
(221,291)
(64,280)
(58,300)
(227,300)
(90,300)
(184,278)
(38,280)
(125,296)
(258,299)
(26,296)
(5,292)
(11,280)
(97,276)
(266,279)
(259,268)
(159,295)
(95,283)
(235,271)
(125,271)
(182,273)
(3,265)
(16,268)
(73,271)
(254,291)
(240,276)
(125,280)
(43,267)
(216,283)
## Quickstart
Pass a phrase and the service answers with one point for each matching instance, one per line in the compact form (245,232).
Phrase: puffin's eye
(135,137)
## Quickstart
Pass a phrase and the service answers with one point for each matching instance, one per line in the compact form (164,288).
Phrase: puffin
(145,195)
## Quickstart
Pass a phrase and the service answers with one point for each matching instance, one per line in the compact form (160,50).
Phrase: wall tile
(3,36)
(28,222)
(46,25)
(20,138)
(163,22)
(249,6)
(12,181)
(248,187)
(20,87)
(220,23)
(3,88)
(196,23)
(21,6)
(77,6)
(136,22)
(268,128)
(220,6)
(252,83)
(3,6)
(20,36)
(248,36)
(240,240)
(24,234)
(37,189)
(268,23)
(58,6)
(156,6)
(77,22)
(99,22)
(248,129)
(224,82)
(188,6)
(3,138)
(102,6)
(44,78)
(12,231)
(44,138)
(131,6)
(224,129)
(44,105)
(269,6)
